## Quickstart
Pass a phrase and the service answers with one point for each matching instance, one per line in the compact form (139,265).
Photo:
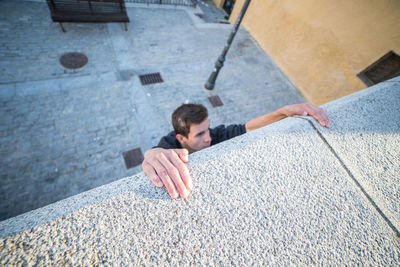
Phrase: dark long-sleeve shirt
(217,134)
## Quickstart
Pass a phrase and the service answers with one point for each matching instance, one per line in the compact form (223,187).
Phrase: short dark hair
(188,114)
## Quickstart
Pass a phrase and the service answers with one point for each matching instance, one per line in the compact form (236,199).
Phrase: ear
(180,138)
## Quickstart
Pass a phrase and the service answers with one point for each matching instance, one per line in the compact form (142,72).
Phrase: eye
(200,134)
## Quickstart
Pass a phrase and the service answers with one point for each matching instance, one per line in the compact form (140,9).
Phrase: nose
(207,137)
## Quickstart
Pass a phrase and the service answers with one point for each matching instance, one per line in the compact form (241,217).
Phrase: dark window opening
(385,68)
(228,6)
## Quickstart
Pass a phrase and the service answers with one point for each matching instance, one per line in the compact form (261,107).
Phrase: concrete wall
(291,193)
(323,45)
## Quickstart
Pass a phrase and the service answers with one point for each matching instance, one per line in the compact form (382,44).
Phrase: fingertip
(185,193)
(190,184)
(158,183)
(327,124)
(184,157)
(174,195)
(183,154)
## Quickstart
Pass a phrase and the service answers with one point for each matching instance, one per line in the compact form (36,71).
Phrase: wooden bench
(88,11)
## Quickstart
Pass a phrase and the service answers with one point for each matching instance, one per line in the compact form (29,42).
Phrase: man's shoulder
(222,132)
(169,141)
(230,127)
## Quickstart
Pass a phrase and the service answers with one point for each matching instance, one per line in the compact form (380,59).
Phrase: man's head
(192,126)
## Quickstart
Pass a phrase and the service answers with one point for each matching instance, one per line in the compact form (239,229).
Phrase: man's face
(198,137)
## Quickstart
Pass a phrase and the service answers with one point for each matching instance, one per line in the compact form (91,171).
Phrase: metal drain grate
(215,101)
(385,68)
(151,78)
(133,158)
(73,60)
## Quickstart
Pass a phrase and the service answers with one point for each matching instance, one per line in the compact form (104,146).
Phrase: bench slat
(88,10)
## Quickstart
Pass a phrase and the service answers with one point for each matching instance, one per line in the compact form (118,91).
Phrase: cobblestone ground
(31,44)
(63,132)
(55,145)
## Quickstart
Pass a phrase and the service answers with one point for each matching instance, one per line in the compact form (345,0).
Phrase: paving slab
(152,44)
(275,196)
(7,92)
(54,86)
(366,135)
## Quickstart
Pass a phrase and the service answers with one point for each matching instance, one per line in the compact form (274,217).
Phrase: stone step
(54,86)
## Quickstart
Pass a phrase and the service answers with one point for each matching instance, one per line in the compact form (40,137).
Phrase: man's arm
(287,111)
(168,167)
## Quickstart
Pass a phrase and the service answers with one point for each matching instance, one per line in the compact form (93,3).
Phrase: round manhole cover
(73,60)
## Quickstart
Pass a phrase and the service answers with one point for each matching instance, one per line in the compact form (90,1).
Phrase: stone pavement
(63,131)
(289,194)
(212,14)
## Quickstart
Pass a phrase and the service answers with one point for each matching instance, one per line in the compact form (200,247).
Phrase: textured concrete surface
(277,196)
(367,138)
(63,131)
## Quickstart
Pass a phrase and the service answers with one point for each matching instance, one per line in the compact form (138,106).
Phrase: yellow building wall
(321,45)
(219,3)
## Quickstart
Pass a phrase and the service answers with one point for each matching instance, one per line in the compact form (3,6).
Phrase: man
(165,164)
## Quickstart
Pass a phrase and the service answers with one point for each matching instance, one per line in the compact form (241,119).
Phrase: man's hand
(287,111)
(308,109)
(168,167)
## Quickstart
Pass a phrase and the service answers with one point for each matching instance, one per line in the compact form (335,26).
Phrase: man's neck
(190,150)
